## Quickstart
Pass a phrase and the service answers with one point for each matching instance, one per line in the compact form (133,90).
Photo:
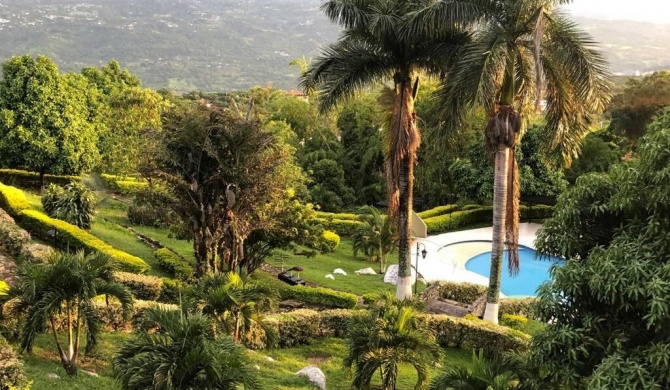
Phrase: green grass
(316,268)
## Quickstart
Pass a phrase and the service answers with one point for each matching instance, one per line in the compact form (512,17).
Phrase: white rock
(392,275)
(315,375)
(51,375)
(270,359)
(365,271)
(339,271)
(330,276)
(90,373)
(256,366)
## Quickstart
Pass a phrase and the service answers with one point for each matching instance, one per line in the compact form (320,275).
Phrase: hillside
(228,44)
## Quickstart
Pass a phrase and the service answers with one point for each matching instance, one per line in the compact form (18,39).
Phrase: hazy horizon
(649,11)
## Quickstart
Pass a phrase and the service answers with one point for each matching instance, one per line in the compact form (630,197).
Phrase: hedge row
(16,241)
(300,327)
(144,287)
(343,227)
(517,306)
(466,293)
(439,210)
(25,179)
(11,368)
(124,185)
(535,212)
(458,219)
(341,216)
(320,296)
(171,263)
(13,200)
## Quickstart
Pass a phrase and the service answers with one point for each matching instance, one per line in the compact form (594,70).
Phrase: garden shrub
(36,253)
(330,241)
(517,306)
(153,207)
(74,238)
(11,368)
(536,212)
(321,296)
(343,227)
(341,216)
(369,298)
(31,180)
(171,263)
(12,237)
(466,293)
(470,207)
(3,288)
(13,200)
(513,321)
(458,219)
(439,210)
(124,185)
(173,290)
(74,204)
(144,287)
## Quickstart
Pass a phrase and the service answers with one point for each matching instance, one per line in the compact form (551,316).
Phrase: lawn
(316,268)
(278,374)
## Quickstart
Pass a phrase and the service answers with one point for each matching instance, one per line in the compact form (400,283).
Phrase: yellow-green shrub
(439,210)
(342,216)
(343,227)
(458,219)
(13,200)
(143,287)
(173,290)
(466,293)
(513,321)
(11,368)
(26,179)
(124,185)
(69,235)
(321,296)
(3,287)
(330,241)
(517,306)
(171,263)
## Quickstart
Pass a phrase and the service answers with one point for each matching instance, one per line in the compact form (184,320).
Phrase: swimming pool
(532,272)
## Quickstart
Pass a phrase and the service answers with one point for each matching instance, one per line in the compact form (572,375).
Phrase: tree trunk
(404,285)
(41,181)
(498,242)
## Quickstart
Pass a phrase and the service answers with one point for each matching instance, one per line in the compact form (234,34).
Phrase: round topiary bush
(330,241)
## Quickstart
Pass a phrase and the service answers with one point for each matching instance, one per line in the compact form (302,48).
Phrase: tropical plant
(389,334)
(182,354)
(376,46)
(74,203)
(60,293)
(522,52)
(234,301)
(376,239)
(484,374)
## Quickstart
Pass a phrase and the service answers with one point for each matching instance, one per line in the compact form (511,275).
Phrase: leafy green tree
(634,108)
(45,118)
(234,301)
(521,52)
(64,288)
(328,187)
(607,307)
(74,203)
(182,354)
(389,334)
(377,239)
(600,151)
(377,46)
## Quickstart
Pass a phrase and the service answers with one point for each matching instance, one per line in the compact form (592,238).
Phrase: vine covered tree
(523,52)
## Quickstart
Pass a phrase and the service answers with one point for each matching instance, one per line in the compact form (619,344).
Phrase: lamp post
(424,252)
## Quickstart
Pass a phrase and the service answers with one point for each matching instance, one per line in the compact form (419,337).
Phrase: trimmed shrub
(13,200)
(73,237)
(330,241)
(536,212)
(513,321)
(143,287)
(458,219)
(171,263)
(369,298)
(466,293)
(341,216)
(440,210)
(343,227)
(470,207)
(517,306)
(36,253)
(74,204)
(321,296)
(124,185)
(11,368)
(335,323)
(172,290)
(25,179)
(12,238)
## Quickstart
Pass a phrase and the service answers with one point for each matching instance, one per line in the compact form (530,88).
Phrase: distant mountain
(217,45)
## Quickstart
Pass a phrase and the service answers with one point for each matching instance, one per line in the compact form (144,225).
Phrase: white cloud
(654,11)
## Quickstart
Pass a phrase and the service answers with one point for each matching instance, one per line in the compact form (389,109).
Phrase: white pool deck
(448,263)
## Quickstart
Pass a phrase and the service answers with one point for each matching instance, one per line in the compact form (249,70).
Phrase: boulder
(365,271)
(52,375)
(391,275)
(339,271)
(314,375)
(330,276)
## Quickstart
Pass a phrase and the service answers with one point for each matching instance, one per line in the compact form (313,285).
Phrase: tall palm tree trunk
(404,285)
(500,191)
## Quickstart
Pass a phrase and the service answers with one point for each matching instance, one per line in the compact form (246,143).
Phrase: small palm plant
(63,290)
(377,239)
(183,354)
(389,334)
(484,374)
(234,301)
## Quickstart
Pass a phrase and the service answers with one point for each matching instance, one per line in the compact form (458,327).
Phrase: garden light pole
(424,252)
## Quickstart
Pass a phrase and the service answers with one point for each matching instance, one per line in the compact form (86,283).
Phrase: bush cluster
(144,287)
(343,227)
(25,179)
(458,219)
(518,306)
(74,204)
(11,368)
(466,293)
(171,263)
(513,321)
(173,290)
(341,216)
(153,207)
(12,238)
(13,200)
(124,185)
(320,296)
(330,241)
(439,210)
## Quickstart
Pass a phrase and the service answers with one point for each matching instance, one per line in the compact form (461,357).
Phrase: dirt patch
(318,359)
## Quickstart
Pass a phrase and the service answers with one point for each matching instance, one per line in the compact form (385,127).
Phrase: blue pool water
(533,272)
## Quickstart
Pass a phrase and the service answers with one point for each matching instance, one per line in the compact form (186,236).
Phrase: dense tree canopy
(608,307)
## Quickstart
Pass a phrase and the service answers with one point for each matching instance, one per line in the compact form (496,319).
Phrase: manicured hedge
(343,227)
(341,216)
(458,219)
(517,306)
(171,263)
(320,296)
(26,179)
(40,225)
(172,290)
(439,210)
(535,212)
(12,238)
(124,185)
(513,321)
(466,293)
(330,241)
(143,287)
(13,200)
(11,368)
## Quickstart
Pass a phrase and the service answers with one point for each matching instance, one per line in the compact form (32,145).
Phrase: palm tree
(65,287)
(389,334)
(521,52)
(376,46)
(182,355)
(377,239)
(234,302)
(484,374)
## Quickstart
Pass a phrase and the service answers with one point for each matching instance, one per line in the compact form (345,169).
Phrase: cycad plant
(377,238)
(182,354)
(483,374)
(62,290)
(390,333)
(523,52)
(234,301)
(74,203)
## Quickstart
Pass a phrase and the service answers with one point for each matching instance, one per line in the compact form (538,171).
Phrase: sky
(654,11)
